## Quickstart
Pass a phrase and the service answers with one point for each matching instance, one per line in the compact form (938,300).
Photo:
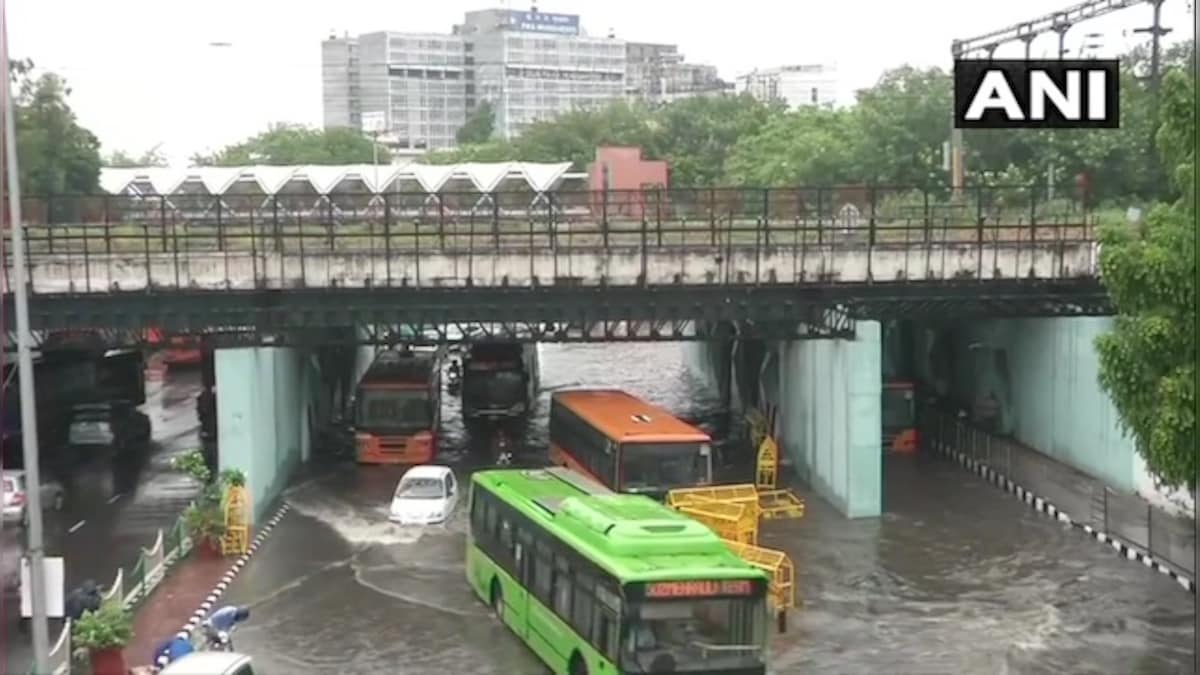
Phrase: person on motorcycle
(221,623)
(504,455)
(172,650)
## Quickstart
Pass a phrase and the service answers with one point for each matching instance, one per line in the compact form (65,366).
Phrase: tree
(121,159)
(810,146)
(479,125)
(287,144)
(696,135)
(57,156)
(1146,362)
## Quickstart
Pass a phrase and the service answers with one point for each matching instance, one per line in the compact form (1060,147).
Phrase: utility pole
(29,439)
(1156,32)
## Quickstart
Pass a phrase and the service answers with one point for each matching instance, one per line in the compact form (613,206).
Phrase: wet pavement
(113,507)
(957,577)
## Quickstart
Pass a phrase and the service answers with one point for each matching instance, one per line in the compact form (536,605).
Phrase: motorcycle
(219,641)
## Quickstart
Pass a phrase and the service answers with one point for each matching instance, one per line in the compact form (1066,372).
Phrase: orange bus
(397,408)
(627,444)
(899,409)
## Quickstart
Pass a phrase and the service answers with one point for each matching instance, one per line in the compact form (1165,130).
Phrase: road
(958,577)
(113,507)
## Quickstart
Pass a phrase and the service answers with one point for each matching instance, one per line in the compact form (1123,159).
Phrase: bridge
(555,264)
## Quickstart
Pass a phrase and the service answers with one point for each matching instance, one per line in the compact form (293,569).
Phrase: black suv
(115,425)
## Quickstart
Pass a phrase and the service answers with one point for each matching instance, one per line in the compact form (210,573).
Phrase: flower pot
(210,548)
(109,661)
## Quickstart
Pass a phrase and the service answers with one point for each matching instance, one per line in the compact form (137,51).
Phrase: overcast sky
(143,73)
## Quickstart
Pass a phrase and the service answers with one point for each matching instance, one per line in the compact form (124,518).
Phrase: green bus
(596,582)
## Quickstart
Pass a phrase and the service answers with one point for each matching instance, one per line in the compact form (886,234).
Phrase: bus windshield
(394,410)
(650,467)
(710,634)
(494,388)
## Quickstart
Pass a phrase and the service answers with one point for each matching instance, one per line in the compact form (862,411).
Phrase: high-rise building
(798,85)
(658,73)
(529,65)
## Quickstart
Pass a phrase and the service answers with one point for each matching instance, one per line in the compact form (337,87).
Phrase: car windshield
(711,635)
(394,409)
(421,488)
(649,467)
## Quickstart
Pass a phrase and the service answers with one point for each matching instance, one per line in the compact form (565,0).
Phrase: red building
(627,181)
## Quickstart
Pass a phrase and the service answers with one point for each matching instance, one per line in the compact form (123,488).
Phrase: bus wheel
(578,666)
(497,600)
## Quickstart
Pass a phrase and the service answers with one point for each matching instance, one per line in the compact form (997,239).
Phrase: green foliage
(807,147)
(205,520)
(1147,362)
(285,144)
(56,154)
(121,159)
(110,627)
(233,477)
(479,125)
(192,463)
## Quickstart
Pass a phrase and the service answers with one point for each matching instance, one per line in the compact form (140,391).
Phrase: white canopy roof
(271,179)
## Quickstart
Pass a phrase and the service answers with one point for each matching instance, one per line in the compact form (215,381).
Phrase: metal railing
(798,221)
(1086,500)
(146,573)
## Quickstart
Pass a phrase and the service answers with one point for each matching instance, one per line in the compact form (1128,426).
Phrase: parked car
(210,663)
(427,494)
(115,425)
(16,495)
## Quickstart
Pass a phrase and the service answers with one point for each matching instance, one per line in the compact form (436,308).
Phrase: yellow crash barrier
(237,521)
(733,522)
(780,504)
(775,563)
(744,493)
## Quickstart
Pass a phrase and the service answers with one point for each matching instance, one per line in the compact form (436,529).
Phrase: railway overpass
(267,278)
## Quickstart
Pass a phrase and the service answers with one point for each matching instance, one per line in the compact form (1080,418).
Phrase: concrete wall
(619,265)
(1043,376)
(262,412)
(829,417)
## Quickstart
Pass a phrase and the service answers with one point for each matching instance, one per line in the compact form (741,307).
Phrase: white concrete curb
(1041,505)
(227,579)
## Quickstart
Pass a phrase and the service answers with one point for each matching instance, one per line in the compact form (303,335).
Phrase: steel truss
(573,313)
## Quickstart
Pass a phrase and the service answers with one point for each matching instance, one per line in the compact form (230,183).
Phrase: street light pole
(29,439)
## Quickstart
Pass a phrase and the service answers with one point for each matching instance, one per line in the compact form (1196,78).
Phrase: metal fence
(147,572)
(776,216)
(1087,500)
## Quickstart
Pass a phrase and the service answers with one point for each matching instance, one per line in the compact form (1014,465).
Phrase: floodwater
(957,577)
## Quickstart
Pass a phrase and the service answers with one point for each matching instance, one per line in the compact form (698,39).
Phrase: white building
(797,85)
(530,65)
(658,73)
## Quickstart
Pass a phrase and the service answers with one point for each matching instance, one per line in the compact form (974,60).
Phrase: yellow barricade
(730,521)
(767,476)
(780,504)
(237,522)
(775,563)
(734,494)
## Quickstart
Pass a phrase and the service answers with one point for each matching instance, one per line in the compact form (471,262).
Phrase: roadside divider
(146,574)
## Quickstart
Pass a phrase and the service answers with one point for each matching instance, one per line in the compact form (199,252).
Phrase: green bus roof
(632,537)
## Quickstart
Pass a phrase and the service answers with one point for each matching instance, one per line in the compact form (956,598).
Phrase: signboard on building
(541,22)
(374,122)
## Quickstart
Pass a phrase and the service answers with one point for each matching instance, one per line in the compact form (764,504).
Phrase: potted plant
(233,478)
(205,523)
(104,634)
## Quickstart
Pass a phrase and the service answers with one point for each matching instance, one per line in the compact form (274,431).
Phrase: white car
(16,495)
(210,663)
(427,494)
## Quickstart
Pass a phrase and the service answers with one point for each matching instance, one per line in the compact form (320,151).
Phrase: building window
(814,94)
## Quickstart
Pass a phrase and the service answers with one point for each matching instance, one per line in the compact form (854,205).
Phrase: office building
(797,85)
(530,65)
(658,73)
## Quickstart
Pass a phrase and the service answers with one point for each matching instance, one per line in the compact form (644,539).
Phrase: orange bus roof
(613,412)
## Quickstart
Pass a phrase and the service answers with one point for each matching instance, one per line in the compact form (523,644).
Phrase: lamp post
(29,439)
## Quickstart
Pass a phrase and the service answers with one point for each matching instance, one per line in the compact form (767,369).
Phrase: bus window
(562,588)
(656,467)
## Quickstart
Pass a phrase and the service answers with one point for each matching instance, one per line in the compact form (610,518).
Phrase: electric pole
(29,439)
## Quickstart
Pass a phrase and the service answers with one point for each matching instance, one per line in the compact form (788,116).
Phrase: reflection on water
(956,578)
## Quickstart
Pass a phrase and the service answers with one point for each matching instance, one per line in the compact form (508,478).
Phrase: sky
(143,73)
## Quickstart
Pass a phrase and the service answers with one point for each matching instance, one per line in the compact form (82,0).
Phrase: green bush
(110,627)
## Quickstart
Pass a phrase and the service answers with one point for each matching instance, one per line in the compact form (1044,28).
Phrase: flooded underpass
(957,577)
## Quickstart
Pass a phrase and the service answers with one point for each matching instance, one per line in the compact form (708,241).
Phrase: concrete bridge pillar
(829,417)
(263,411)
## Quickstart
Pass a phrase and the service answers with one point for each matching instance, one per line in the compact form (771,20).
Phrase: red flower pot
(109,661)
(211,548)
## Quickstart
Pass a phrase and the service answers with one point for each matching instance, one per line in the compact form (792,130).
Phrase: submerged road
(114,508)
(958,577)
